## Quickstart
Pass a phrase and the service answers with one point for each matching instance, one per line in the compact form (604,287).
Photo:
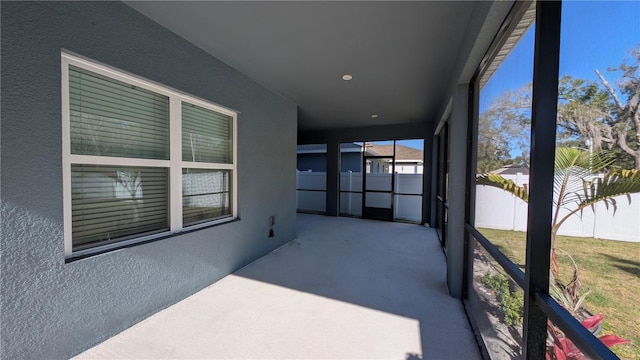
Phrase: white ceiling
(404,56)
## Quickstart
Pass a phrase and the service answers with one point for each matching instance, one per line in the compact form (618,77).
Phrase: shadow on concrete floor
(391,267)
(344,289)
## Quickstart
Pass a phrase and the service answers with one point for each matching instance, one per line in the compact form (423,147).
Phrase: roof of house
(402,152)
(511,170)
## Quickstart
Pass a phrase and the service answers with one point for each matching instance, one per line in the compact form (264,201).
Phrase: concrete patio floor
(344,289)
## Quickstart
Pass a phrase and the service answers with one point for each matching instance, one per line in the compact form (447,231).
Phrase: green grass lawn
(609,269)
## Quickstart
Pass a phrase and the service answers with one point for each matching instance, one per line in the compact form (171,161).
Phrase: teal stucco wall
(51,309)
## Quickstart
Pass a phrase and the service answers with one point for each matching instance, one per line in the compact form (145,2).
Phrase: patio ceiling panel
(403,56)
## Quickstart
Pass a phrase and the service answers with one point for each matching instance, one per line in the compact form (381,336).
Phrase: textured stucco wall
(52,310)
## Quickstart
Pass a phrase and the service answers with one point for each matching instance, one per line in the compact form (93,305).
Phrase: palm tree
(581,179)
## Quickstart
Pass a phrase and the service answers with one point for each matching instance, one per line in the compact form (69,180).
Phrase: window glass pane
(598,243)
(114,202)
(112,118)
(205,195)
(206,135)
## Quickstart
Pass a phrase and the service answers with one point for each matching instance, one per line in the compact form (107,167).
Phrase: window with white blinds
(113,118)
(206,135)
(140,160)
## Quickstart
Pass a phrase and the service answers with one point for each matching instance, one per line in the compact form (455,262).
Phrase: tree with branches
(600,115)
(590,115)
(503,129)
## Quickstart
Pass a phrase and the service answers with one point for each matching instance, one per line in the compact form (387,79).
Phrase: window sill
(107,248)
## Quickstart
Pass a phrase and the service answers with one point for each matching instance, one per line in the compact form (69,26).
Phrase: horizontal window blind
(111,118)
(205,195)
(206,135)
(115,202)
(117,127)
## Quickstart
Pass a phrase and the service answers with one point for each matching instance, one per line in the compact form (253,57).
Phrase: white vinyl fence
(498,209)
(311,195)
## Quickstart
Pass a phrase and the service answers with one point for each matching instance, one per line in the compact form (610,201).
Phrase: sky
(594,35)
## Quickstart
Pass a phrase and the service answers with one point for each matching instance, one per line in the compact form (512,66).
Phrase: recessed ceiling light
(347,77)
(374,116)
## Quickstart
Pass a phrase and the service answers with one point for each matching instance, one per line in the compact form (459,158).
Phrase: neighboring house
(314,158)
(408,160)
(511,170)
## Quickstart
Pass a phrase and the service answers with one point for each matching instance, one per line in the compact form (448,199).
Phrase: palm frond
(605,189)
(576,183)
(498,181)
(566,161)
(571,167)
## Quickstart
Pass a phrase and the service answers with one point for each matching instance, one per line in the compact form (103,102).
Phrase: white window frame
(174,165)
